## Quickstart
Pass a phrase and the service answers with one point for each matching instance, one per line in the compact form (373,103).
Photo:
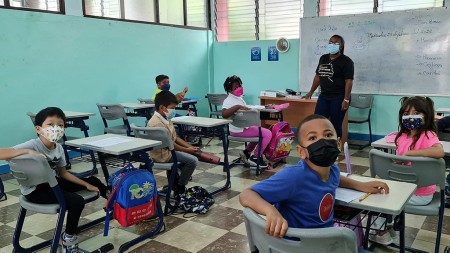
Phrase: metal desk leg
(367,232)
(226,165)
(402,231)
(101,158)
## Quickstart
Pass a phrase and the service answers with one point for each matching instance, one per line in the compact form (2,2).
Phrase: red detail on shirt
(325,207)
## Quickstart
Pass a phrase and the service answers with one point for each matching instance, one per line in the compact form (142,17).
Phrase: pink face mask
(238,91)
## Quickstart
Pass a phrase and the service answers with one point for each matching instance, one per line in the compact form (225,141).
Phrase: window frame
(157,18)
(62,8)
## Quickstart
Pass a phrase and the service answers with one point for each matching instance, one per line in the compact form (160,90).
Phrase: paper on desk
(256,107)
(182,117)
(107,142)
(348,195)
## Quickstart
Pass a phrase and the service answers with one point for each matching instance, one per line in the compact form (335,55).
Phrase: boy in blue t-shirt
(302,195)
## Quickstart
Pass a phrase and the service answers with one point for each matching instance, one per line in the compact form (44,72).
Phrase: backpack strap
(109,208)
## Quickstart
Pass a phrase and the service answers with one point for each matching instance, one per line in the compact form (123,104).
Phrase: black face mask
(323,152)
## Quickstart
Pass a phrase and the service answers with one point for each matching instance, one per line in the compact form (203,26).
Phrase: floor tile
(233,203)
(221,217)
(240,229)
(7,233)
(230,242)
(9,201)
(10,187)
(116,236)
(207,178)
(191,236)
(37,223)
(28,242)
(155,246)
(238,184)
(415,221)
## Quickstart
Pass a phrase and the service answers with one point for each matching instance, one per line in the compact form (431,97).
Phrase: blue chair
(423,171)
(31,170)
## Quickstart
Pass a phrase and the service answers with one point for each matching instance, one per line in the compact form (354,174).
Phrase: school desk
(139,109)
(297,111)
(213,124)
(392,203)
(391,148)
(190,105)
(136,146)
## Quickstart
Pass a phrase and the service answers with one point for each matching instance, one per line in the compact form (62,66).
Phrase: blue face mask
(165,86)
(411,122)
(332,48)
(170,113)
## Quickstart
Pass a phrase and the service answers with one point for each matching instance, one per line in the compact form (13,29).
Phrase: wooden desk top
(290,99)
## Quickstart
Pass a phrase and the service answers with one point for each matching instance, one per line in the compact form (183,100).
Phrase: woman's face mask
(333,48)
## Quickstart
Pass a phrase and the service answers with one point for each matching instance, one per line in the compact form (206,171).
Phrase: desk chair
(146,101)
(79,174)
(362,103)
(214,101)
(30,170)
(161,134)
(423,171)
(114,112)
(244,119)
(312,240)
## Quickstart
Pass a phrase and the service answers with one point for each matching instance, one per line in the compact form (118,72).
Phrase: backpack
(195,200)
(133,197)
(281,143)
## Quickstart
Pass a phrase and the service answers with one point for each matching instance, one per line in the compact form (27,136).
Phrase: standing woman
(334,74)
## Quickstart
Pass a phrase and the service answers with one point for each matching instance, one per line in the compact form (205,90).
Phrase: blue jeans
(330,107)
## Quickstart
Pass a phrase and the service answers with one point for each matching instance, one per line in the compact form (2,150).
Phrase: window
(43,5)
(170,12)
(235,20)
(279,18)
(344,7)
(257,19)
(395,5)
(196,10)
(103,8)
(143,10)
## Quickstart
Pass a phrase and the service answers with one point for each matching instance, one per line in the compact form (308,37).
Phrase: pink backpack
(281,143)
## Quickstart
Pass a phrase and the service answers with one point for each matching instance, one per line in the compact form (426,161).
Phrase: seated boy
(162,82)
(49,126)
(165,103)
(302,196)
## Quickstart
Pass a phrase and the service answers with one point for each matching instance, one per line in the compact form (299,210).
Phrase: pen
(365,196)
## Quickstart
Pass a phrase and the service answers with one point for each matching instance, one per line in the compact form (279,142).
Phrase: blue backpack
(133,197)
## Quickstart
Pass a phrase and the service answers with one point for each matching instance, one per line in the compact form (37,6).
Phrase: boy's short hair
(165,98)
(160,78)
(48,112)
(307,119)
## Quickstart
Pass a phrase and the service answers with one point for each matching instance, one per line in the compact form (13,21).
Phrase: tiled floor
(222,229)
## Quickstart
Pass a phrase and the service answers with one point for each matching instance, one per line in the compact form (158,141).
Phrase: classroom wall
(76,62)
(234,58)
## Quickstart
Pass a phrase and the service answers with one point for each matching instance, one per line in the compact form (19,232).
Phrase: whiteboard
(403,52)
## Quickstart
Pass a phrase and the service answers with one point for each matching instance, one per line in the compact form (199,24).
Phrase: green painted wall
(234,58)
(76,62)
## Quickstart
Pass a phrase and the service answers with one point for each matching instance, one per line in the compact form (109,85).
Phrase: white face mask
(52,133)
(170,113)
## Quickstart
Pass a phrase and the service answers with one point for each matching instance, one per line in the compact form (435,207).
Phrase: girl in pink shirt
(417,137)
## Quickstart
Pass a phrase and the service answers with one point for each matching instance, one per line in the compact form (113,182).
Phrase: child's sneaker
(262,164)
(244,156)
(382,238)
(69,243)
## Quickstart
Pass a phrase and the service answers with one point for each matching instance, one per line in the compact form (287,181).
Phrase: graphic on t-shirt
(325,207)
(326,70)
